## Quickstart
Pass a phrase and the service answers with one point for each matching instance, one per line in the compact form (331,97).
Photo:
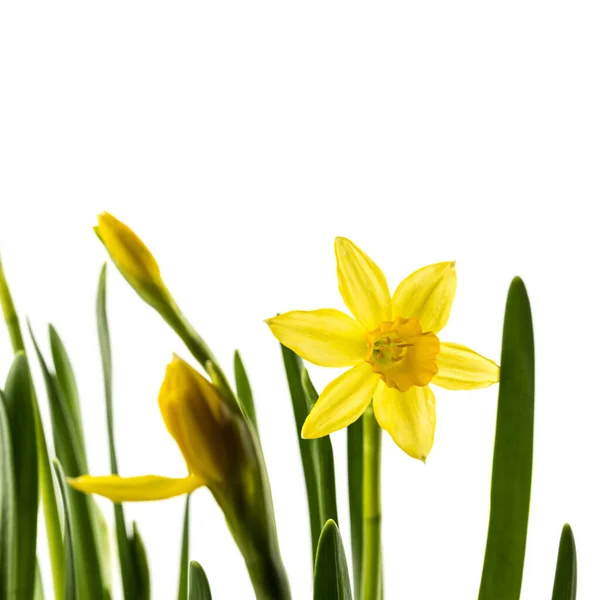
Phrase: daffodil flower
(391,346)
(204,429)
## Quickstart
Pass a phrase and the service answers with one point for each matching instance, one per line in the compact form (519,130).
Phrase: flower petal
(325,337)
(427,296)
(459,368)
(362,284)
(134,489)
(409,417)
(342,402)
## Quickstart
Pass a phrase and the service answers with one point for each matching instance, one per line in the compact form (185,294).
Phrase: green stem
(371,550)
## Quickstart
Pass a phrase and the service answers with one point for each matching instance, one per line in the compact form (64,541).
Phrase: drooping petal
(362,284)
(341,402)
(135,489)
(325,337)
(427,295)
(409,417)
(460,368)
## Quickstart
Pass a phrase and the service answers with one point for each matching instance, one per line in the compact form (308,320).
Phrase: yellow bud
(199,421)
(130,255)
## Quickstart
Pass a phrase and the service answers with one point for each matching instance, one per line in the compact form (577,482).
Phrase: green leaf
(199,588)
(139,561)
(565,579)
(244,391)
(38,593)
(355,496)
(130,591)
(513,454)
(88,563)
(9,538)
(20,409)
(46,482)
(332,580)
(68,387)
(293,368)
(185,552)
(70,585)
(324,459)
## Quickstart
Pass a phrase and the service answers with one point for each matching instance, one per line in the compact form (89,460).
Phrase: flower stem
(371,588)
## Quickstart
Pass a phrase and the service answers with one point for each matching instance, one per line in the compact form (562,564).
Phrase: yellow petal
(325,337)
(342,402)
(459,368)
(135,489)
(409,417)
(427,295)
(362,284)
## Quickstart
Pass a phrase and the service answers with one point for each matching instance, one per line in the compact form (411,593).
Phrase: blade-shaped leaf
(8,509)
(38,593)
(20,408)
(324,458)
(70,585)
(199,588)
(513,454)
(293,369)
(244,391)
(123,543)
(10,314)
(185,552)
(139,561)
(90,579)
(332,580)
(355,497)
(565,578)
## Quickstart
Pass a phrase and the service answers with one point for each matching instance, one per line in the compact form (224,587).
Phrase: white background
(238,139)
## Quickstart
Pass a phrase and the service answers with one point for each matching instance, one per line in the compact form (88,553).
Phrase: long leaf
(355,497)
(185,552)
(332,580)
(88,562)
(46,481)
(130,592)
(199,588)
(70,586)
(20,408)
(565,578)
(139,561)
(9,538)
(38,593)
(293,368)
(244,391)
(325,461)
(513,454)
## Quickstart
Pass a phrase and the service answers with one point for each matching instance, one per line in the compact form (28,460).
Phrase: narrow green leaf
(20,408)
(355,496)
(38,593)
(90,579)
(46,482)
(139,561)
(513,454)
(68,386)
(199,588)
(9,538)
(565,579)
(293,368)
(185,552)
(130,591)
(10,314)
(325,461)
(244,391)
(332,580)
(70,585)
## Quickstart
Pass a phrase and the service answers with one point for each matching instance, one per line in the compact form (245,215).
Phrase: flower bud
(200,422)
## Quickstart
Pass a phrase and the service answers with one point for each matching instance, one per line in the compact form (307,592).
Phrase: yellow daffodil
(392,347)
(204,429)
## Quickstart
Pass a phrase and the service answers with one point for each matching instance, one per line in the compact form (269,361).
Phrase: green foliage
(185,552)
(332,580)
(565,578)
(199,588)
(244,391)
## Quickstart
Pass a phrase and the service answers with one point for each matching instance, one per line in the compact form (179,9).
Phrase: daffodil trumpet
(218,448)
